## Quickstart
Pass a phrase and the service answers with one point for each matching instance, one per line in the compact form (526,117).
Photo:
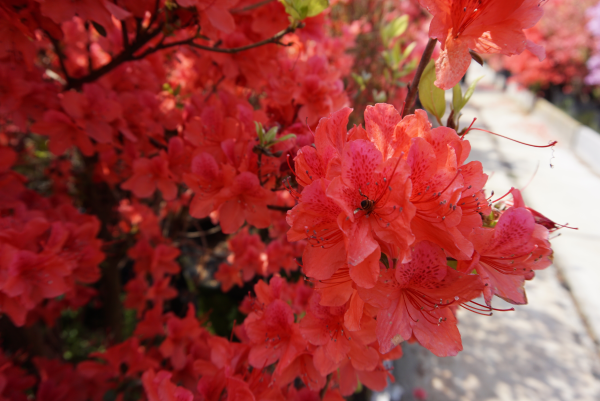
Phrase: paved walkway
(545,350)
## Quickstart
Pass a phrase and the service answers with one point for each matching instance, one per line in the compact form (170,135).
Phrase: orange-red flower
(506,255)
(413,300)
(484,26)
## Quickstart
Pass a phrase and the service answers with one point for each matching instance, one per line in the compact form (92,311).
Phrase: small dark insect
(366,204)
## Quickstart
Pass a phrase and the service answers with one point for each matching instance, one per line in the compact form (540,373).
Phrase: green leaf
(457,98)
(409,49)
(301,9)
(286,137)
(177,90)
(99,28)
(432,97)
(379,96)
(470,91)
(270,135)
(259,131)
(394,29)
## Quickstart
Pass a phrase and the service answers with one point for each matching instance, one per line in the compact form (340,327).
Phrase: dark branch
(144,36)
(279,208)
(126,55)
(61,57)
(414,85)
(190,42)
(250,7)
(125,35)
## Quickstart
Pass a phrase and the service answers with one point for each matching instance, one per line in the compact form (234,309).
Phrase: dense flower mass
(568,48)
(186,215)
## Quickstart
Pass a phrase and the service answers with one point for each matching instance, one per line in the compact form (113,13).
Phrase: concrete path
(546,350)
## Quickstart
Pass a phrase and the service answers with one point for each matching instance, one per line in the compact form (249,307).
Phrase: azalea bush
(567,44)
(188,212)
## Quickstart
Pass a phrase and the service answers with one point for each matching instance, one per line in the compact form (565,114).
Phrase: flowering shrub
(593,26)
(186,216)
(567,47)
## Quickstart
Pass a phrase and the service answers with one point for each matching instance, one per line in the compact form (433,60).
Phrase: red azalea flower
(485,26)
(207,178)
(148,174)
(324,327)
(506,255)
(314,218)
(244,200)
(274,336)
(158,387)
(413,299)
(373,195)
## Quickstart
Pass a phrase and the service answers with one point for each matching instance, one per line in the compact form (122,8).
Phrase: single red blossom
(161,291)
(437,188)
(128,353)
(228,276)
(244,200)
(488,26)
(214,13)
(324,327)
(419,393)
(373,195)
(76,243)
(274,336)
(282,254)
(63,133)
(348,378)
(149,174)
(152,323)
(58,381)
(158,387)
(136,290)
(538,217)
(180,335)
(321,92)
(248,254)
(302,367)
(157,261)
(414,298)
(323,160)
(315,218)
(14,87)
(296,295)
(206,180)
(506,255)
(14,381)
(15,36)
(93,111)
(31,277)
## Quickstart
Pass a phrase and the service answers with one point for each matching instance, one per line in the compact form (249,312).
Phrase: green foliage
(459,101)
(301,9)
(395,56)
(269,138)
(432,98)
(394,29)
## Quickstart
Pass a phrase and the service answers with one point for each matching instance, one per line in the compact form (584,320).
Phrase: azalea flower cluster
(385,208)
(48,249)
